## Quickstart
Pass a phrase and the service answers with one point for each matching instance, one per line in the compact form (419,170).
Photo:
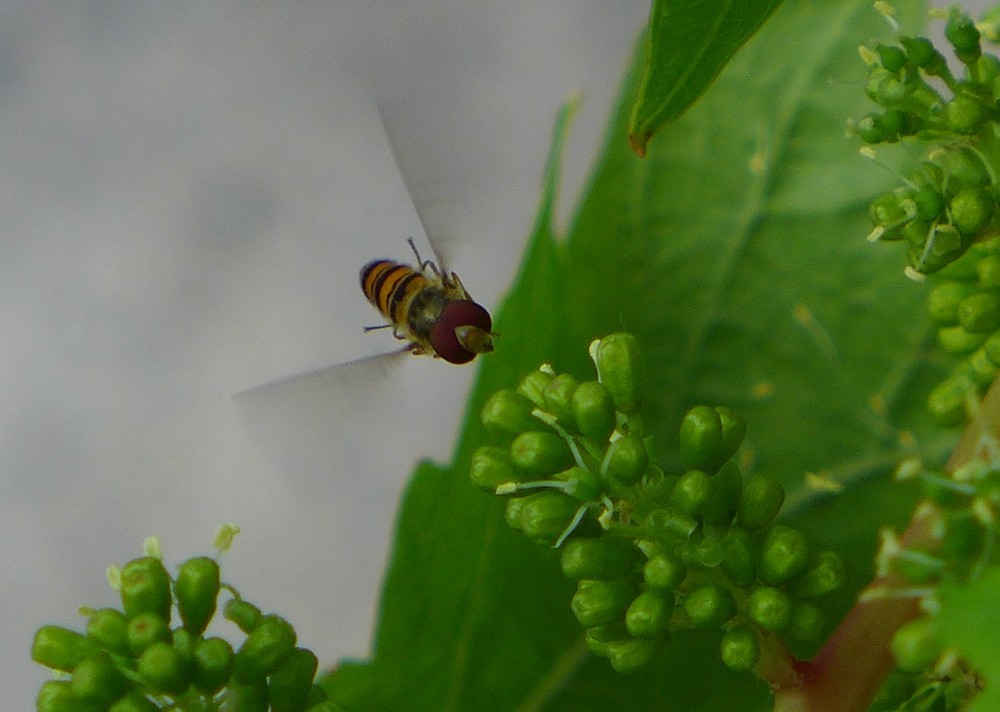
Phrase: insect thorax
(425,311)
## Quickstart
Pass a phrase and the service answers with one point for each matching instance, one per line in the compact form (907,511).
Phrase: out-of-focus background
(187,192)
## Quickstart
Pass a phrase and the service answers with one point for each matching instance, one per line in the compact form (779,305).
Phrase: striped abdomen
(390,286)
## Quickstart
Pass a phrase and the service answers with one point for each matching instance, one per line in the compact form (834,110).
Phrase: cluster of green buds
(651,552)
(964,303)
(132,660)
(949,203)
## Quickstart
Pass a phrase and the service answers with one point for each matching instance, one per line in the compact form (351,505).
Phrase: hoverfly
(429,308)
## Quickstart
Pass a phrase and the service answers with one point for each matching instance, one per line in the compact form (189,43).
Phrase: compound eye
(462,332)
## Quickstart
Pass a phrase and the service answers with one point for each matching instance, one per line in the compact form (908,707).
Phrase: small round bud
(593,410)
(710,551)
(599,602)
(512,512)
(592,558)
(621,369)
(943,301)
(988,271)
(727,488)
(963,168)
(108,627)
(598,637)
(61,648)
(540,453)
(247,696)
(784,554)
(947,401)
(979,313)
(545,515)
(807,622)
(923,54)
(649,614)
(692,493)
(740,649)
(965,115)
(891,57)
(826,574)
(244,614)
(96,679)
(961,32)
(264,649)
(583,484)
(196,590)
(664,571)
(630,655)
(146,629)
(533,385)
(709,606)
(739,559)
(760,503)
(671,521)
(916,645)
(164,669)
(508,413)
(491,467)
(734,429)
(888,211)
(702,439)
(626,460)
(958,340)
(135,701)
(56,696)
(290,682)
(558,397)
(213,664)
(885,89)
(972,210)
(929,203)
(145,588)
(769,608)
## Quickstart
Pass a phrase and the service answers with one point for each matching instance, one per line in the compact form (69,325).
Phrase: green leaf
(688,43)
(968,620)
(736,253)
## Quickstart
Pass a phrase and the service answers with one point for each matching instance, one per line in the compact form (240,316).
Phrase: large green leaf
(689,42)
(736,253)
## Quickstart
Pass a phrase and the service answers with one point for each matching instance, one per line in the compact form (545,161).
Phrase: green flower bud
(512,512)
(290,682)
(626,460)
(826,574)
(929,203)
(991,347)
(702,439)
(508,413)
(319,701)
(246,696)
(963,168)
(709,606)
(196,589)
(961,32)
(96,679)
(61,648)
(988,271)
(957,339)
(146,629)
(784,554)
(869,129)
(657,486)
(885,89)
(629,655)
(184,643)
(584,485)
(760,503)
(213,664)
(944,298)
(727,488)
(533,385)
(621,369)
(599,602)
(491,467)
(664,571)
(692,493)
(979,313)
(769,608)
(244,614)
(558,397)
(972,210)
(545,515)
(710,551)
(734,429)
(922,53)
(593,410)
(264,649)
(891,57)
(163,668)
(56,696)
(740,649)
(135,701)
(965,115)
(739,560)
(947,401)
(889,210)
(981,370)
(145,588)
(895,123)
(591,558)
(598,637)
(540,453)
(649,614)
(108,627)
(807,622)
(670,521)
(916,645)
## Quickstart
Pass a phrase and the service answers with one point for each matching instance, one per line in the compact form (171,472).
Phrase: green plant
(734,255)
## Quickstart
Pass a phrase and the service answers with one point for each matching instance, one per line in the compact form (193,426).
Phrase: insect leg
(423,264)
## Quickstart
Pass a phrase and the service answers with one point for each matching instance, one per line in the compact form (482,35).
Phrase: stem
(847,673)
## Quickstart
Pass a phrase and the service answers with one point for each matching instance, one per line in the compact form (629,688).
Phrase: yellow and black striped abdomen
(390,286)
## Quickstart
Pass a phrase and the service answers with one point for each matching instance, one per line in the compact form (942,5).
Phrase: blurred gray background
(187,192)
